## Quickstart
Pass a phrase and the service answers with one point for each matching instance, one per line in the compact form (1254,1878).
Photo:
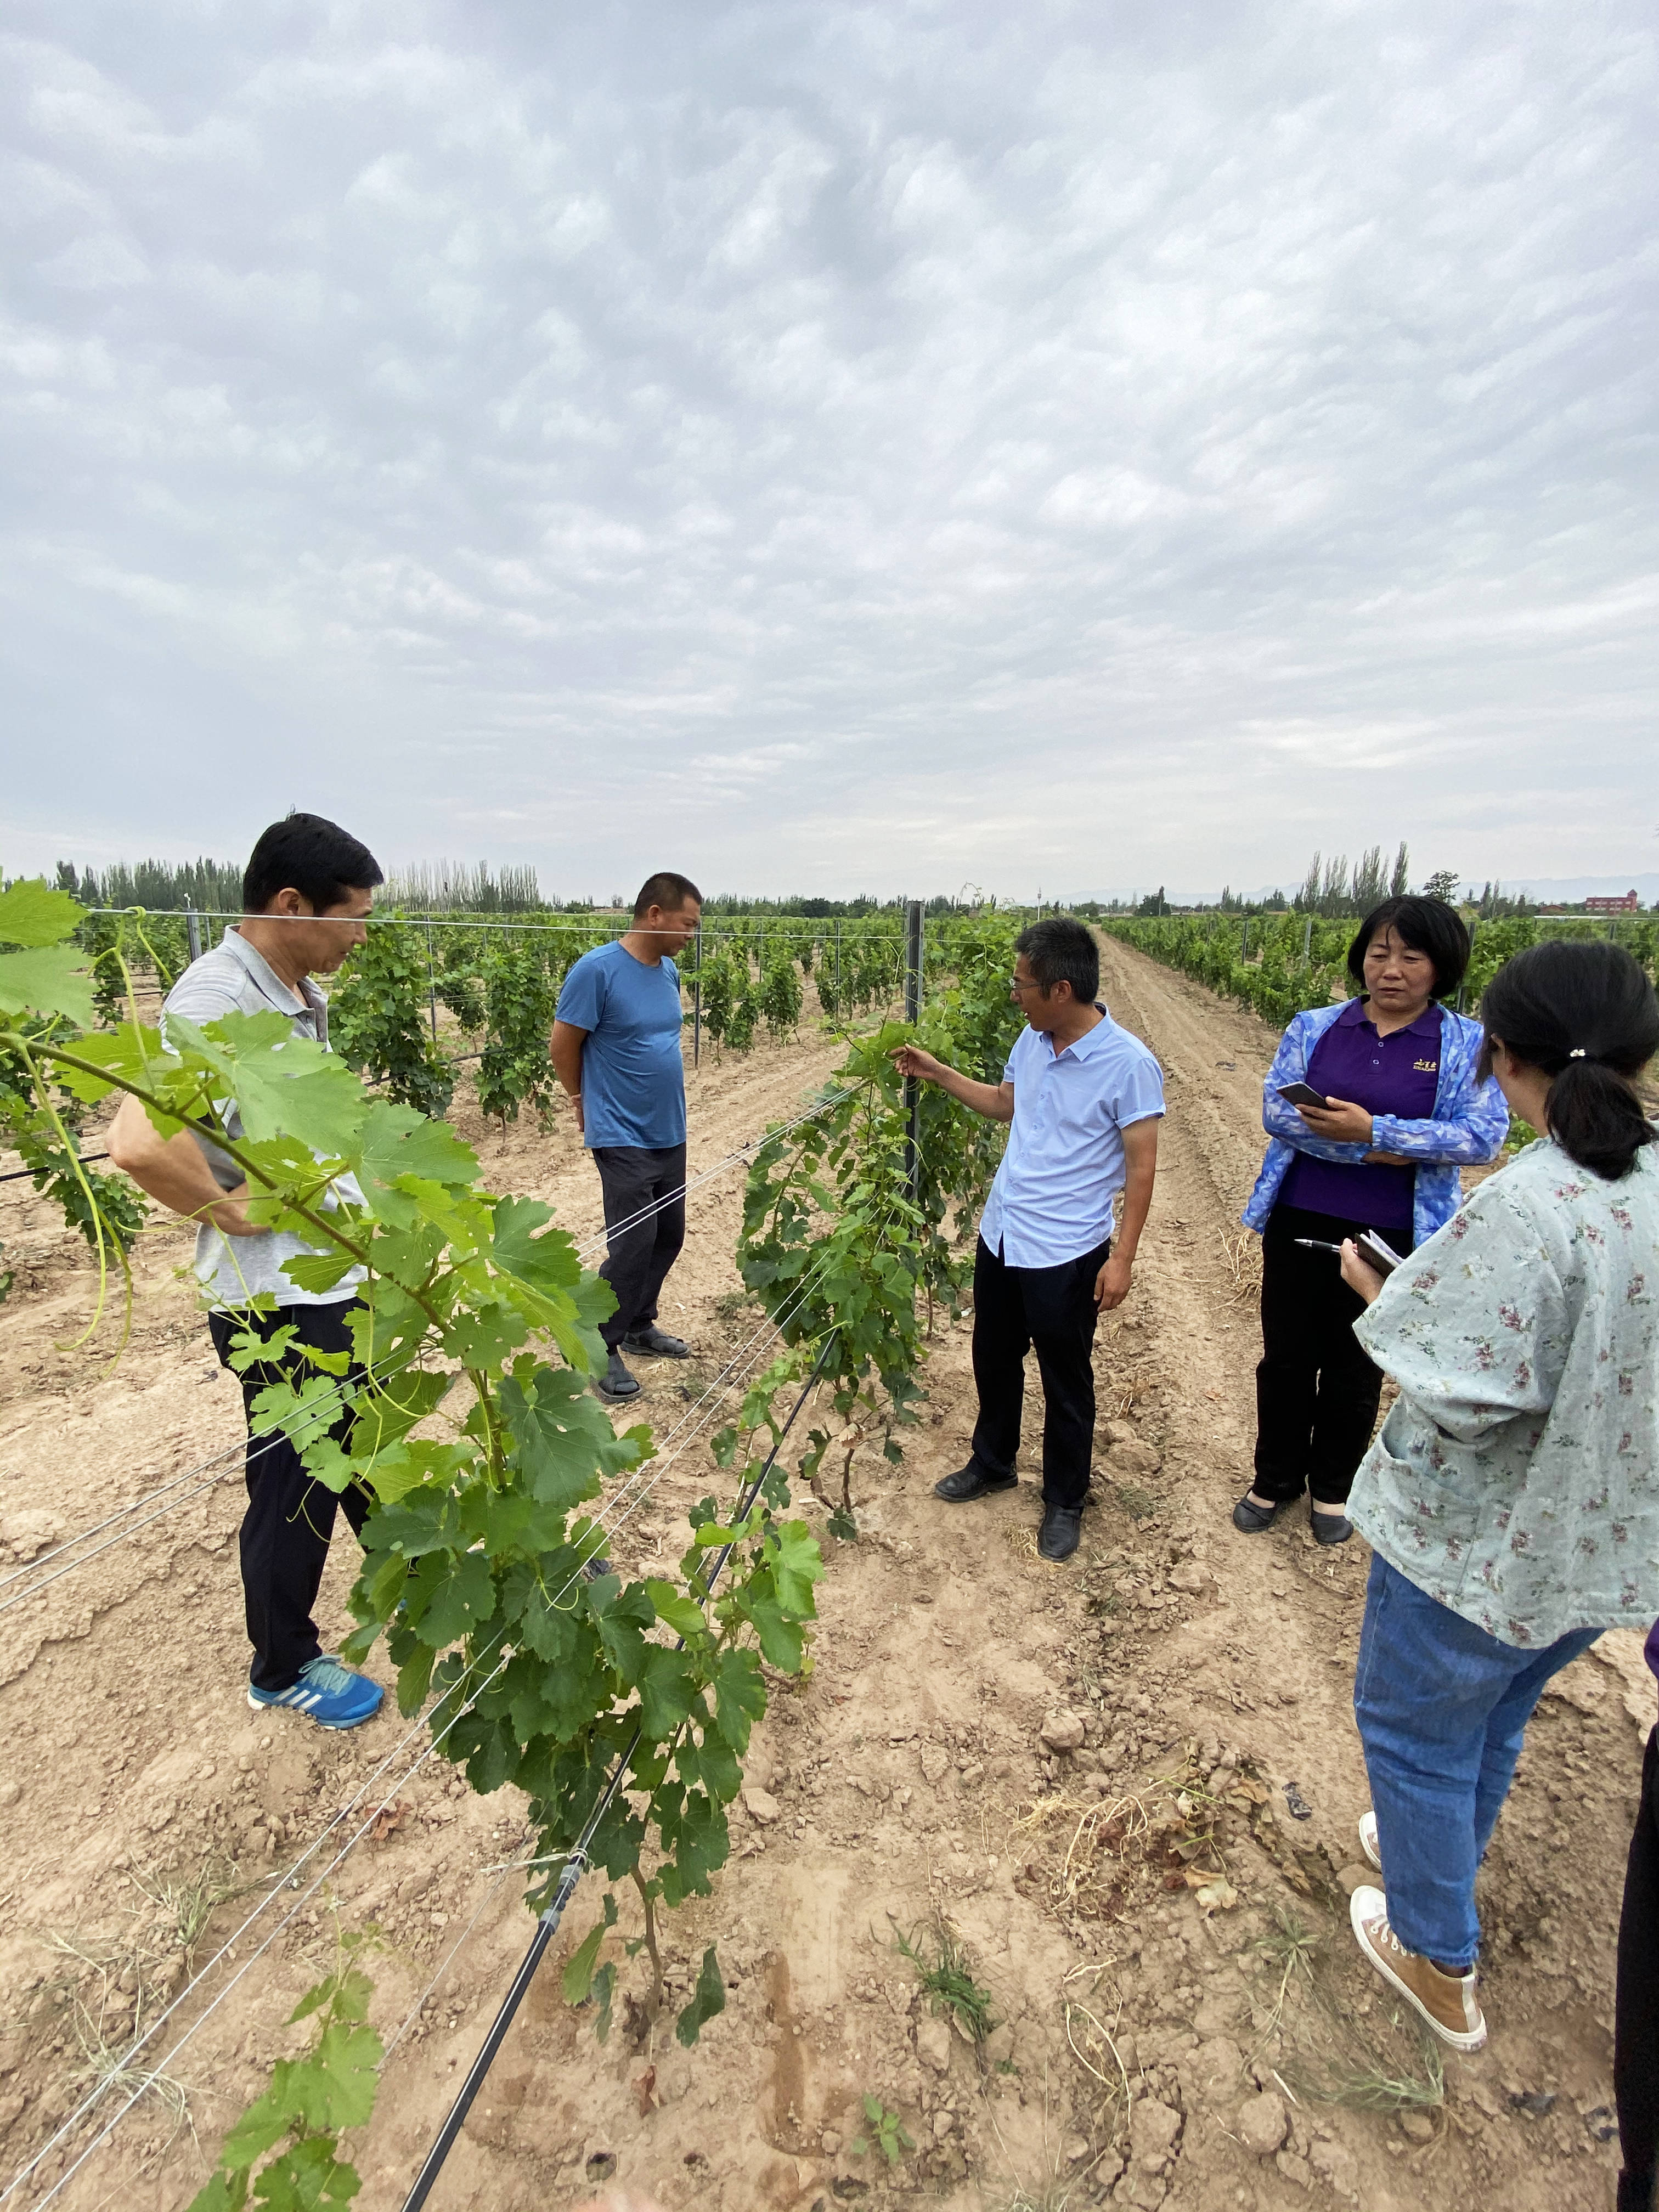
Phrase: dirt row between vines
(1159,1912)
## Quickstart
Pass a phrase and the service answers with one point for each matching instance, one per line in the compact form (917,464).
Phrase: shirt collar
(270,982)
(1427,1025)
(1090,1042)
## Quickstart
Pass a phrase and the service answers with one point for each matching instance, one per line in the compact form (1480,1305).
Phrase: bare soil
(1158,1913)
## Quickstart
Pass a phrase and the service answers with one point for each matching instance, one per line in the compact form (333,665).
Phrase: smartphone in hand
(1301,1094)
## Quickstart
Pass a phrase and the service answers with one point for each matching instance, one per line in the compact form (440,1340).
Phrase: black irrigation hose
(548,1925)
(17,1175)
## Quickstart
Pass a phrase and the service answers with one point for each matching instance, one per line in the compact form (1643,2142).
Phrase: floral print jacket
(1517,1477)
(1469,1126)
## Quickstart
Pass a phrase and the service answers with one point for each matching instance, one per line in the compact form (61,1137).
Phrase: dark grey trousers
(632,1178)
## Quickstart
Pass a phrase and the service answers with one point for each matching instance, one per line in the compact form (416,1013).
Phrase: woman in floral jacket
(1404,1109)
(1511,1501)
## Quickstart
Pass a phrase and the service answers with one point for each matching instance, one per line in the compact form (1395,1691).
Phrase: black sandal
(1329,1527)
(1253,1520)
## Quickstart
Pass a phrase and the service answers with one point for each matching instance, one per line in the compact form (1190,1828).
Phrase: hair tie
(1578,1053)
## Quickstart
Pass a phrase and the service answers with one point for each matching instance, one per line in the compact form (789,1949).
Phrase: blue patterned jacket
(1470,1122)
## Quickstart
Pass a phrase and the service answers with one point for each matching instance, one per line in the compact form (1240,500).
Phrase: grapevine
(477,1326)
(519,998)
(837,1244)
(377,1019)
(309,2104)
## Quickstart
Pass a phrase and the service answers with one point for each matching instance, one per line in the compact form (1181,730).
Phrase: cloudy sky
(826,446)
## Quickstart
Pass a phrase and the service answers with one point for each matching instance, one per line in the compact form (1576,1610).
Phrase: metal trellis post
(431,985)
(912,1012)
(696,1004)
(193,930)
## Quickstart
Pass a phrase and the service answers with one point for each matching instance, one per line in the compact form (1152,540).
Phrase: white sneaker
(1368,1840)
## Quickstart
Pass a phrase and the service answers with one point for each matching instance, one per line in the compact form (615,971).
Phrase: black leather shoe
(1330,1528)
(1251,1518)
(1061,1532)
(972,1482)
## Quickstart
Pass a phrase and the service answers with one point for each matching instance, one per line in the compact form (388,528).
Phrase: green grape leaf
(52,979)
(676,1610)
(708,2001)
(797,1564)
(622,1617)
(389,1406)
(397,1141)
(449,1596)
(577,1979)
(699,1842)
(547,1262)
(32,913)
(565,1442)
(668,1692)
(222,2192)
(318,1271)
(414,1464)
(710,1765)
(739,1696)
(780,1640)
(415,1680)
(308,2179)
(284,1085)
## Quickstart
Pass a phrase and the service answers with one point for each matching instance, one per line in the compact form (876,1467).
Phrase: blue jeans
(1442,1708)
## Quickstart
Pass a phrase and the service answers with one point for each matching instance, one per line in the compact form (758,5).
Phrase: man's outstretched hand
(911,1060)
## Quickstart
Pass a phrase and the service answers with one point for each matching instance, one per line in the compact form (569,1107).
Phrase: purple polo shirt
(1398,1074)
(1653,1647)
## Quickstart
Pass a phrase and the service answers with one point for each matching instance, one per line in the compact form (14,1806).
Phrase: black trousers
(1051,1312)
(1316,1393)
(637,1264)
(290,1516)
(1636,2017)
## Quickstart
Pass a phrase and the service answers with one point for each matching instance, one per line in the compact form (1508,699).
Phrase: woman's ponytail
(1585,1015)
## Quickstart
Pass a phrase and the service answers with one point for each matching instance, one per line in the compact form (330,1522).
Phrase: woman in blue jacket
(1405,1109)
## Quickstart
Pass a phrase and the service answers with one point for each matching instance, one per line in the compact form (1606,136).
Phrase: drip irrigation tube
(548,1925)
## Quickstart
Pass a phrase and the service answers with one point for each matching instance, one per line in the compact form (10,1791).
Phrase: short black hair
(315,857)
(1582,1013)
(666,890)
(1059,950)
(1427,925)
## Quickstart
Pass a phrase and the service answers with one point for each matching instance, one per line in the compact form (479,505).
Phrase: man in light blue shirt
(1085,1098)
(615,1049)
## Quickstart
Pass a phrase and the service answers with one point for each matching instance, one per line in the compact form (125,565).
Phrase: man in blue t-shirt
(617,1050)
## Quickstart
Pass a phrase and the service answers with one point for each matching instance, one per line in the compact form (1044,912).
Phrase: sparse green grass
(1387,2088)
(186,1902)
(1138,1505)
(946,1981)
(1289,1948)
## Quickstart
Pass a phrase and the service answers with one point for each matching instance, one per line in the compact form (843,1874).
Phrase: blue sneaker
(326,1692)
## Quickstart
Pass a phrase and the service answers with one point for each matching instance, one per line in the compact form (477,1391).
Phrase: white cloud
(828,446)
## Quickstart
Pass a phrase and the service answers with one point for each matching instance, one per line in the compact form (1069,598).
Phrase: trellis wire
(94,2096)
(322,1405)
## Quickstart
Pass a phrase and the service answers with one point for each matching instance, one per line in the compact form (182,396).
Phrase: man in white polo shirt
(1085,1098)
(307,894)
